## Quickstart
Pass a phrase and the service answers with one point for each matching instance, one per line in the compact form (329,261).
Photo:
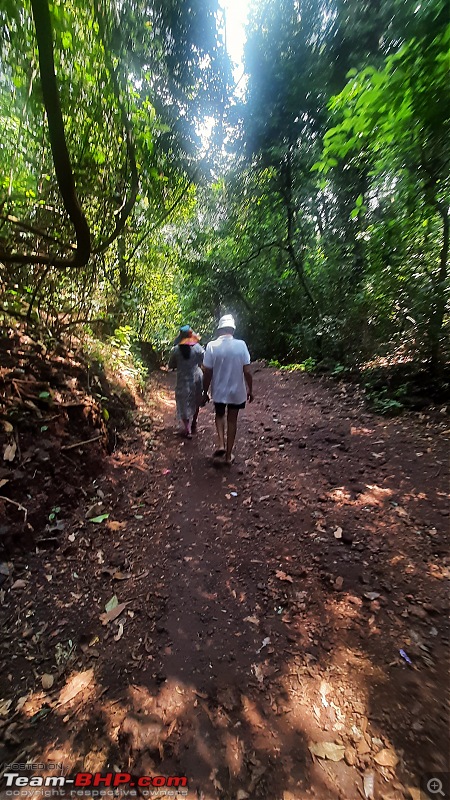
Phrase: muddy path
(284,629)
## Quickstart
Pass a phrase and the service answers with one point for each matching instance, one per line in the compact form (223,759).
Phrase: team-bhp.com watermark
(93,784)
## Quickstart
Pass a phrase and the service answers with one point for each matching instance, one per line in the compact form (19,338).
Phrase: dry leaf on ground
(283,577)
(329,750)
(113,614)
(386,758)
(4,707)
(9,452)
(75,686)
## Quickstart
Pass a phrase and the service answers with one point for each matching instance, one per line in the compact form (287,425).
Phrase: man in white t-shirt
(226,368)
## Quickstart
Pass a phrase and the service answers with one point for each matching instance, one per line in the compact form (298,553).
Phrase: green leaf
(113,603)
(44,395)
(101,518)
(66,40)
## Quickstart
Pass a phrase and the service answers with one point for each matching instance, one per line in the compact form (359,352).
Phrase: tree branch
(159,222)
(31,229)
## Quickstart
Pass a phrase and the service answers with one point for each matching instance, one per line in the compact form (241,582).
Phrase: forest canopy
(140,187)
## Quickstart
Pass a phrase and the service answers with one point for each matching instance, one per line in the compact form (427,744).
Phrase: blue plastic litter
(403,655)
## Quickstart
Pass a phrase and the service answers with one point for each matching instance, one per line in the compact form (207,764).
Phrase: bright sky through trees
(235,16)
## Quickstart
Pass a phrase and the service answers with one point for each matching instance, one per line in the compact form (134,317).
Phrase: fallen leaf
(121,576)
(371,595)
(94,510)
(8,428)
(328,750)
(401,511)
(113,614)
(369,785)
(253,620)
(101,518)
(283,577)
(47,681)
(258,673)
(112,603)
(113,525)
(264,497)
(10,451)
(21,702)
(3,482)
(386,758)
(4,707)
(216,783)
(19,584)
(339,582)
(119,633)
(338,533)
(75,685)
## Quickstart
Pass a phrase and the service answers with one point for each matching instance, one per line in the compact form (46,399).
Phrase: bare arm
(207,376)
(248,377)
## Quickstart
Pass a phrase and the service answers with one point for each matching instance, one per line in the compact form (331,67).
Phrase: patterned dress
(189,388)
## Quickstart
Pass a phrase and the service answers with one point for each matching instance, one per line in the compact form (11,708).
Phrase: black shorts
(220,407)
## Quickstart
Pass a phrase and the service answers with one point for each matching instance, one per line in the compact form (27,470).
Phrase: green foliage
(118,355)
(133,94)
(308,365)
(382,403)
(324,228)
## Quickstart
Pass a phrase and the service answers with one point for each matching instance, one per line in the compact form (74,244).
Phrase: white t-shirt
(226,357)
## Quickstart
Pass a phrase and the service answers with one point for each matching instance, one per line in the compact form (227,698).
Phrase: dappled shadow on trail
(266,607)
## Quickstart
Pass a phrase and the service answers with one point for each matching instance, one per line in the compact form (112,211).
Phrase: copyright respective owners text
(435,786)
(93,785)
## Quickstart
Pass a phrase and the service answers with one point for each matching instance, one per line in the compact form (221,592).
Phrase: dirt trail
(266,607)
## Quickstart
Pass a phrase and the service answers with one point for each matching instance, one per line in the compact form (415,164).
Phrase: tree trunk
(438,301)
(296,262)
(61,159)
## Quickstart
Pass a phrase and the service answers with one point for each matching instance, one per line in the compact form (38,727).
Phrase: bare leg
(194,421)
(186,429)
(231,433)
(220,428)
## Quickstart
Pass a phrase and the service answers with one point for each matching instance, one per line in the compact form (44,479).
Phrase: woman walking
(187,357)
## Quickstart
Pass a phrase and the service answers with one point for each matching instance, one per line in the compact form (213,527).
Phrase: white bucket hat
(227,321)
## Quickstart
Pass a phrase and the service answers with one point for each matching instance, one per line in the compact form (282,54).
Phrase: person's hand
(249,397)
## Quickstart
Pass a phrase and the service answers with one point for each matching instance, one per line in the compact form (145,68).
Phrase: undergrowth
(119,354)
